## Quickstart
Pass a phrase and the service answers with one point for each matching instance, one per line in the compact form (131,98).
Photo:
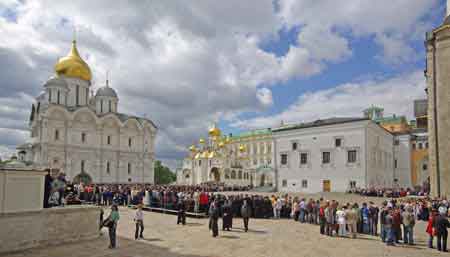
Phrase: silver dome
(106,91)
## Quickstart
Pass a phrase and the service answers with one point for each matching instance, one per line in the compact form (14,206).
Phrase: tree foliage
(163,175)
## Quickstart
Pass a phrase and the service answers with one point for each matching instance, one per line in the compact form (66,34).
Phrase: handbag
(108,223)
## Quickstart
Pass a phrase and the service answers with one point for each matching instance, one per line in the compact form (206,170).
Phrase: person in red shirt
(430,229)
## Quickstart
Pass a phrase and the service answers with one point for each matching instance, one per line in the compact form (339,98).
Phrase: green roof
(391,119)
(250,133)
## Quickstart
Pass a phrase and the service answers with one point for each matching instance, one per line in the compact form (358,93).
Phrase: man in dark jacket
(181,217)
(441,224)
(214,214)
(245,213)
(227,216)
(47,188)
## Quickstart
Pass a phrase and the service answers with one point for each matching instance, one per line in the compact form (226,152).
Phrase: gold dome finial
(242,148)
(73,65)
(214,131)
(201,141)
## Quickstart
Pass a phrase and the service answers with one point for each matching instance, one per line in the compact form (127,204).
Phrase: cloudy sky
(243,64)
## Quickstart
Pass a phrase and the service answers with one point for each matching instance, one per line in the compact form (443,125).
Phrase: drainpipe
(435,115)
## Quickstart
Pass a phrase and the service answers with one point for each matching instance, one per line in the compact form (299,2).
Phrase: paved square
(266,238)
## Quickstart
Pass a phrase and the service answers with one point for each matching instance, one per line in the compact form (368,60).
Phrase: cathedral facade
(84,135)
(239,160)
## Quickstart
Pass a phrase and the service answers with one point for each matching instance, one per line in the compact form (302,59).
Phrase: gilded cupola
(73,65)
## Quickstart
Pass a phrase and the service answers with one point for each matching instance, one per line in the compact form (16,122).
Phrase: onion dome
(73,65)
(201,141)
(242,148)
(221,144)
(197,156)
(205,154)
(192,148)
(212,155)
(214,131)
(106,91)
(227,140)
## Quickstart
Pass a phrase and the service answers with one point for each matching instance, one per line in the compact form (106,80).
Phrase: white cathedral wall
(69,149)
(402,153)
(313,141)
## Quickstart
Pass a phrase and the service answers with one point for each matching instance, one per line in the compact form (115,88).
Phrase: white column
(448,8)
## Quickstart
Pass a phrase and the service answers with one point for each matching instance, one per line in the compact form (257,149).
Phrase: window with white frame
(338,141)
(304,183)
(294,146)
(326,157)
(284,159)
(351,156)
(303,158)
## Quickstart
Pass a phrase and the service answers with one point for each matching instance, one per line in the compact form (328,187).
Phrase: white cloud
(186,65)
(395,95)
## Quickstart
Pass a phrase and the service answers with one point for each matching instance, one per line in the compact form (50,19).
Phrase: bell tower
(437,45)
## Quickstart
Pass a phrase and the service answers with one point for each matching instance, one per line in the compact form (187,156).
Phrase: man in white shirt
(139,220)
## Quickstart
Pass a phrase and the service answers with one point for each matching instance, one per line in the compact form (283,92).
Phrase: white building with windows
(333,155)
(84,135)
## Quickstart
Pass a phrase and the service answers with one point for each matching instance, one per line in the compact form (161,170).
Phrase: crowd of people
(393,221)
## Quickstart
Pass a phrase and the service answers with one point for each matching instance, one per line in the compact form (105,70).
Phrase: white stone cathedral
(85,136)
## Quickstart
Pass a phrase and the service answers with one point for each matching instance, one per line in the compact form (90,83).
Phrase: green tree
(163,175)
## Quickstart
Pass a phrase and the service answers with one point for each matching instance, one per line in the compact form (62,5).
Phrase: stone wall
(23,230)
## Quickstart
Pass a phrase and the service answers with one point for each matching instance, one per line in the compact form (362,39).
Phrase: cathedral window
(101,106)
(50,95)
(82,166)
(240,174)
(56,135)
(109,105)
(351,156)
(129,142)
(233,174)
(108,168)
(108,140)
(77,95)
(87,95)
(284,159)
(58,97)
(129,168)
(83,137)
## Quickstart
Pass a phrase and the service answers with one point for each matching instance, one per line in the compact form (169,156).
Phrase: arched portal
(215,175)
(82,177)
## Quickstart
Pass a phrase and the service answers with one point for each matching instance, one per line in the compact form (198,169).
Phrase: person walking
(408,221)
(214,214)
(139,220)
(181,215)
(441,224)
(245,213)
(113,219)
(227,216)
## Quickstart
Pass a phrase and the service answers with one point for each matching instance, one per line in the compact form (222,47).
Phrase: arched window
(101,106)
(59,96)
(82,166)
(77,95)
(129,142)
(108,168)
(129,168)
(109,105)
(50,95)
(83,137)
(240,174)
(108,140)
(233,174)
(56,135)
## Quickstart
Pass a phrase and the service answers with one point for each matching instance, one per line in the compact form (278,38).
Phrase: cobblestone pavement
(266,238)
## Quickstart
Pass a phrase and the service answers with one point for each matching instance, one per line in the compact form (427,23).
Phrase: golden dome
(205,154)
(201,141)
(221,144)
(214,131)
(73,66)
(197,156)
(227,140)
(212,154)
(192,148)
(242,148)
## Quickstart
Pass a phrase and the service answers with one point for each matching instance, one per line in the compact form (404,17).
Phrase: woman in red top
(430,229)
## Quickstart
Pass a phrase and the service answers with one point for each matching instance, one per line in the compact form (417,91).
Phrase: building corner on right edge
(437,74)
